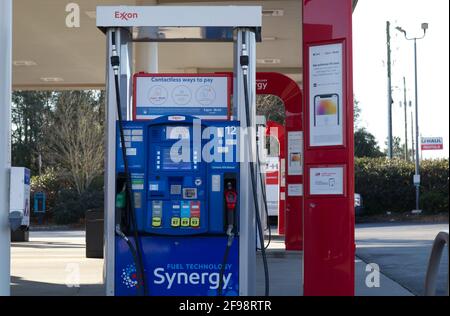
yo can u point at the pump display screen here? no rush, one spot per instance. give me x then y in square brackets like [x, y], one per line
[173, 162]
[177, 132]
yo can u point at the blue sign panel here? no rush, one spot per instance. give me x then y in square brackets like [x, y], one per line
[179, 266]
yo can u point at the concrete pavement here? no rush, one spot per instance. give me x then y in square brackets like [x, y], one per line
[402, 252]
[53, 260]
[285, 269]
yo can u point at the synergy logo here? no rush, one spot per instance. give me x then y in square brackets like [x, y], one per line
[125, 16]
[210, 279]
[129, 277]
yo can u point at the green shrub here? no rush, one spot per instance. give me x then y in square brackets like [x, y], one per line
[386, 185]
[50, 182]
[70, 206]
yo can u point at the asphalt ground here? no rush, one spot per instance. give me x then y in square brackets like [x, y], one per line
[53, 263]
[402, 251]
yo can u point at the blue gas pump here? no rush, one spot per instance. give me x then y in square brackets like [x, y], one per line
[184, 175]
[181, 208]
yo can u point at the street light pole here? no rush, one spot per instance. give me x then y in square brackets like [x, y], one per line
[406, 119]
[412, 135]
[417, 165]
[417, 162]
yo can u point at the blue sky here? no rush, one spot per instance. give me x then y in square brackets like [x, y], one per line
[370, 73]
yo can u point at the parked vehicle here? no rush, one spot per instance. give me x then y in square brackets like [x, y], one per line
[359, 208]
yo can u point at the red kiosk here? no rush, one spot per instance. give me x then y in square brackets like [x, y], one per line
[328, 219]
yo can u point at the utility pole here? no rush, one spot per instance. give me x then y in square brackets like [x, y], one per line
[412, 134]
[421, 151]
[406, 120]
[416, 178]
[389, 89]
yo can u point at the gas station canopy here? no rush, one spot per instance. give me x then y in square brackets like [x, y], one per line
[49, 55]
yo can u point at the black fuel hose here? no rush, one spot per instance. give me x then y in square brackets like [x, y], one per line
[137, 250]
[266, 209]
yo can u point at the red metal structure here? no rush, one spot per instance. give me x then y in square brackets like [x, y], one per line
[289, 92]
[329, 248]
[274, 129]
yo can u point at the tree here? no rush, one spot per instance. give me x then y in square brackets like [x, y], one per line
[366, 144]
[398, 149]
[271, 107]
[356, 114]
[29, 115]
[75, 137]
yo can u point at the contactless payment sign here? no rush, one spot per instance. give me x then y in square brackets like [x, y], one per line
[204, 96]
[325, 90]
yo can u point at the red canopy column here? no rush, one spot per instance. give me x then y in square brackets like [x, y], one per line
[328, 218]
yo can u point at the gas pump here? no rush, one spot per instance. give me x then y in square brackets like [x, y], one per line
[185, 199]
[184, 182]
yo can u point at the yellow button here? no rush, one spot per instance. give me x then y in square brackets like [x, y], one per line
[185, 222]
[195, 221]
[156, 221]
[175, 221]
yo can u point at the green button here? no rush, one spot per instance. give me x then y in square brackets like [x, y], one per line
[175, 221]
[195, 221]
[185, 222]
[156, 221]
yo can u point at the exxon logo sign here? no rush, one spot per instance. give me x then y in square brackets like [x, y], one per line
[125, 16]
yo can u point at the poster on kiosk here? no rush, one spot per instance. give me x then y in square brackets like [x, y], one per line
[205, 96]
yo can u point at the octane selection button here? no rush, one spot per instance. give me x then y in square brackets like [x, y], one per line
[195, 222]
[156, 221]
[185, 222]
[175, 221]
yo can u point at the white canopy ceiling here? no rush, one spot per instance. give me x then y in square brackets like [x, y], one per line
[49, 55]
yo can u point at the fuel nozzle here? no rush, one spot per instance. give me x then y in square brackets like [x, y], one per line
[230, 199]
[121, 198]
[121, 206]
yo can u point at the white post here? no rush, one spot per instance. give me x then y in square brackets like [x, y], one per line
[147, 57]
[146, 52]
[5, 144]
[247, 224]
[124, 50]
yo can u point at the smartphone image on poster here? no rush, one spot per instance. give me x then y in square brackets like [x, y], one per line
[326, 110]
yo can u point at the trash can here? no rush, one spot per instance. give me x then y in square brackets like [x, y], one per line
[94, 233]
[20, 235]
